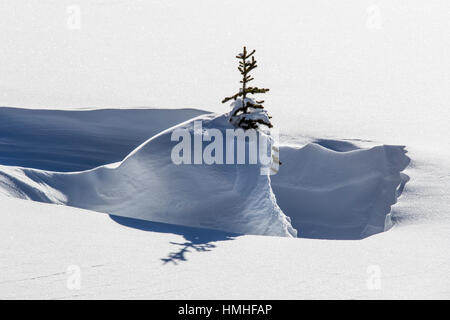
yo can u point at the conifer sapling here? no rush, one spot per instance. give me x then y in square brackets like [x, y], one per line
[247, 113]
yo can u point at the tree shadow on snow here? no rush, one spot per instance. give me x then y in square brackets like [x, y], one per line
[197, 239]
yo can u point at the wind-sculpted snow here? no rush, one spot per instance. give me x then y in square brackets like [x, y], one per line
[147, 185]
[340, 195]
[72, 140]
[322, 193]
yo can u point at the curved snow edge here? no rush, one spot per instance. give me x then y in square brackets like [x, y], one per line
[147, 185]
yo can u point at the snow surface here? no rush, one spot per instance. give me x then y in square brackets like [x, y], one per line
[340, 195]
[128, 259]
[334, 81]
[327, 194]
[149, 186]
[61, 140]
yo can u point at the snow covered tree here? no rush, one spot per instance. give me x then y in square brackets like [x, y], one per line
[247, 113]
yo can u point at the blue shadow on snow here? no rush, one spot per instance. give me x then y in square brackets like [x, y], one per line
[197, 239]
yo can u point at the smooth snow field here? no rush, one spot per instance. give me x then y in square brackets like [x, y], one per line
[92, 207]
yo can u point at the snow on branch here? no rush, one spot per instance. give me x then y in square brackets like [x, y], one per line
[246, 112]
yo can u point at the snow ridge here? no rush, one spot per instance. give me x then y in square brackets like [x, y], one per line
[317, 193]
[147, 185]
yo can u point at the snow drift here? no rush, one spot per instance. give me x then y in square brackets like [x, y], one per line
[77, 140]
[147, 185]
[318, 192]
[340, 195]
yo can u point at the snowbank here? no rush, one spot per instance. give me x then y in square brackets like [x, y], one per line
[322, 193]
[72, 140]
[147, 185]
[340, 195]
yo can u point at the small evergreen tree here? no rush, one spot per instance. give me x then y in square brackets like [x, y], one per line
[247, 113]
